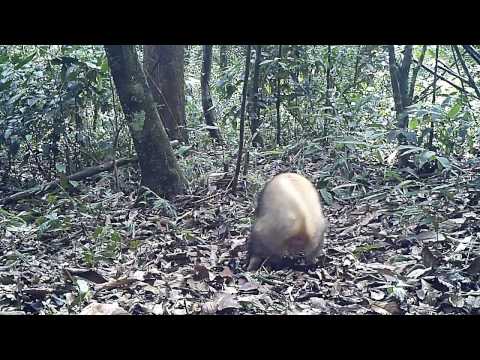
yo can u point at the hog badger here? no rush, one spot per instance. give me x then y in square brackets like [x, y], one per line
[289, 220]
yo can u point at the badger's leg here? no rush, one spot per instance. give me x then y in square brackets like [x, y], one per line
[314, 250]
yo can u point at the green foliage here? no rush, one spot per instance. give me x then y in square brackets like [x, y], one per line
[49, 222]
[105, 245]
[9, 220]
[58, 111]
[50, 96]
[453, 122]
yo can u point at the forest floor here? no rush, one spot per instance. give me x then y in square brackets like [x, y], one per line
[394, 247]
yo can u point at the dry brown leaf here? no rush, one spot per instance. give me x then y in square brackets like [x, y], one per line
[474, 267]
[200, 272]
[226, 301]
[429, 259]
[103, 309]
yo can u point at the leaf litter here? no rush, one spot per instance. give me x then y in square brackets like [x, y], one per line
[391, 249]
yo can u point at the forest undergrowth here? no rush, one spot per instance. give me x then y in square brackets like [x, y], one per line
[395, 246]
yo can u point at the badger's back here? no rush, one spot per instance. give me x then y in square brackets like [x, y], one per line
[289, 219]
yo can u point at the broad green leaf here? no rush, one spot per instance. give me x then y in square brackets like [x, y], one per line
[454, 110]
[413, 123]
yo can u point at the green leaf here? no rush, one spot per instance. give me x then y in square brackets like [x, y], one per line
[444, 162]
[104, 65]
[98, 231]
[183, 150]
[327, 197]
[454, 110]
[425, 157]
[64, 181]
[266, 62]
[25, 61]
[413, 123]
[51, 198]
[60, 168]
[411, 149]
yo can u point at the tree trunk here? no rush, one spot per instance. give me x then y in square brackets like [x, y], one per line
[465, 70]
[434, 100]
[158, 165]
[207, 102]
[164, 67]
[399, 75]
[278, 102]
[357, 66]
[411, 90]
[252, 107]
[473, 53]
[242, 120]
[328, 91]
[223, 58]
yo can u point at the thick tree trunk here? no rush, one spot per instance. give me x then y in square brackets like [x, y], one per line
[207, 102]
[158, 165]
[399, 74]
[164, 67]
[253, 111]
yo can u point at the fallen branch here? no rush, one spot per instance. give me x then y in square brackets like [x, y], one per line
[55, 185]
